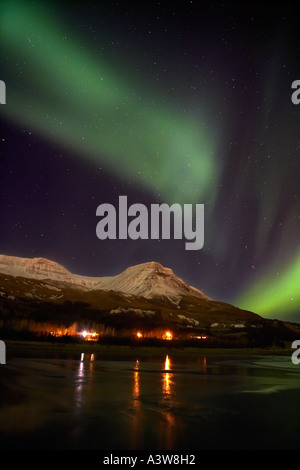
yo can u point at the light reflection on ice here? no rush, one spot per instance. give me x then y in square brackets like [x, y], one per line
[83, 379]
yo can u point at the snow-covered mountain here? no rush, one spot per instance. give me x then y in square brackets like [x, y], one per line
[150, 280]
[41, 269]
[146, 280]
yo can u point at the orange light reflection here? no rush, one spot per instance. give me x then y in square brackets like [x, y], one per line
[167, 378]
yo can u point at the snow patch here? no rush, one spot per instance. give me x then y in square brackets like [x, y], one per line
[137, 311]
[191, 321]
[48, 286]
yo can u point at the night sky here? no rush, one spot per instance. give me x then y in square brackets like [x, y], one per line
[180, 102]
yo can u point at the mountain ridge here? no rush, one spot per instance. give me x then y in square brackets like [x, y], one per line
[147, 279]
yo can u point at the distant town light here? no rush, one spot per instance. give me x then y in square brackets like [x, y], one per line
[89, 335]
[139, 334]
[168, 335]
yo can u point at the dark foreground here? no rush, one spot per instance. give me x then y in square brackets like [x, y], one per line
[124, 398]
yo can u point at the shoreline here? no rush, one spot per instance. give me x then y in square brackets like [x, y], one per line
[18, 348]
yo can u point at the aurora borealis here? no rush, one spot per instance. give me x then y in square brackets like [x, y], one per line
[177, 103]
[101, 116]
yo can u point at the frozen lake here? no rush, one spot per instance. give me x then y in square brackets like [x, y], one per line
[162, 402]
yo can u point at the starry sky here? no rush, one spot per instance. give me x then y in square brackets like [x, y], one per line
[183, 102]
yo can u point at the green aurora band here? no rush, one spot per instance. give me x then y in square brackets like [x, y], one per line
[274, 294]
[75, 97]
